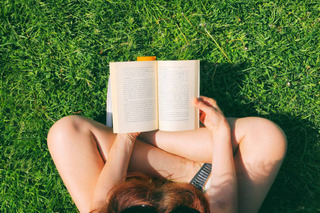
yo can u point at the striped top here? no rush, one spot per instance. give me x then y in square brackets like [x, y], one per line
[201, 179]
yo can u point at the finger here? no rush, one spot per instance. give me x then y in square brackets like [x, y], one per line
[136, 134]
[133, 135]
[209, 101]
[202, 116]
[200, 104]
[212, 102]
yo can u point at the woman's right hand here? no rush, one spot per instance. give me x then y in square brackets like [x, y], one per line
[211, 115]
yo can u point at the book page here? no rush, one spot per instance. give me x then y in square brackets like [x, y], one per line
[134, 97]
[178, 84]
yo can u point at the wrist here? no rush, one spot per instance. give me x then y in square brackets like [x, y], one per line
[223, 133]
[222, 130]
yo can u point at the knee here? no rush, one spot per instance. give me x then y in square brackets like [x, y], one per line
[269, 137]
[63, 129]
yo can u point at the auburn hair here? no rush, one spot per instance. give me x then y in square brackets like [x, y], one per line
[163, 194]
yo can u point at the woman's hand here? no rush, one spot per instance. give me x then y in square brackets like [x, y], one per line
[130, 136]
[211, 115]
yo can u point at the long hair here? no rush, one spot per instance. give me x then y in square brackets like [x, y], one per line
[163, 194]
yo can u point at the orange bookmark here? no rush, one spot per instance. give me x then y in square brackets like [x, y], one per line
[146, 58]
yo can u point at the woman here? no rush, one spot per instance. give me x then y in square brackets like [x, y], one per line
[246, 154]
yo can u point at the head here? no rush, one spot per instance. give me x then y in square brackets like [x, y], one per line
[157, 194]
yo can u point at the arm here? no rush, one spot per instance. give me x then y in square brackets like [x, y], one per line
[115, 168]
[223, 185]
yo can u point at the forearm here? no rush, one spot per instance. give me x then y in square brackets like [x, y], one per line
[223, 186]
[115, 168]
[193, 144]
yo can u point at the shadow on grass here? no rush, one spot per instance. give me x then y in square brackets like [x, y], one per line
[297, 187]
[223, 83]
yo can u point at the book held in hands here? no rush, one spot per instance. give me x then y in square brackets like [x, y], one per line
[150, 95]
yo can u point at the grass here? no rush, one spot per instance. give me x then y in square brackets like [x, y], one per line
[258, 58]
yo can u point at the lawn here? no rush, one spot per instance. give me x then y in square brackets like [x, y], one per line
[258, 58]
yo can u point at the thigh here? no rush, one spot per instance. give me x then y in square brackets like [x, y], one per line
[262, 147]
[79, 148]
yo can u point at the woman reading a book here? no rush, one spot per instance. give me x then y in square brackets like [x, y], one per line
[94, 163]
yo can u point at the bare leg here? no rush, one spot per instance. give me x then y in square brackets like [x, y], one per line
[261, 152]
[80, 146]
[259, 147]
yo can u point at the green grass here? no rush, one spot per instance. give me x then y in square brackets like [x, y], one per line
[258, 58]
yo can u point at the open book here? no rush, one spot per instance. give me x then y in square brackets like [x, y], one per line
[150, 95]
